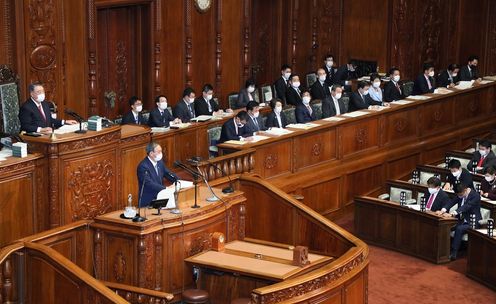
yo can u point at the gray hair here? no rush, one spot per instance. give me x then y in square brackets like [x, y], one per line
[150, 147]
[34, 85]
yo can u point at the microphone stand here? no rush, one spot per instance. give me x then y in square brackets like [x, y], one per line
[138, 217]
[78, 118]
[226, 190]
[195, 175]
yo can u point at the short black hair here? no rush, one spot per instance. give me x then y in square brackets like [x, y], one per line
[336, 86]
[459, 188]
[453, 67]
[454, 164]
[304, 90]
[207, 87]
[292, 76]
[133, 100]
[34, 85]
[374, 76]
[392, 70]
[251, 105]
[490, 170]
[157, 99]
[428, 66]
[150, 147]
[188, 91]
[434, 181]
[250, 82]
[285, 67]
[363, 84]
[243, 115]
[328, 56]
[274, 101]
[473, 57]
[486, 144]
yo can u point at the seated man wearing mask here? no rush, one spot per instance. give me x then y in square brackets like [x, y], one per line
[204, 105]
[361, 99]
[234, 128]
[293, 93]
[488, 185]
[134, 116]
[333, 105]
[424, 83]
[392, 89]
[184, 109]
[304, 112]
[254, 123]
[320, 88]
[160, 116]
[483, 158]
[458, 175]
[435, 197]
[276, 118]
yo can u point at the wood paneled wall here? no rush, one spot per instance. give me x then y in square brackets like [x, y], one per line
[55, 41]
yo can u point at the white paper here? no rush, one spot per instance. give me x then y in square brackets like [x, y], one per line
[268, 95]
[356, 114]
[402, 102]
[304, 126]
[256, 138]
[168, 193]
[278, 131]
[463, 85]
[68, 129]
[486, 81]
[418, 97]
[202, 118]
[442, 91]
[334, 119]
[159, 130]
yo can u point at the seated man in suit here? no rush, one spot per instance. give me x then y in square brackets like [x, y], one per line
[320, 88]
[333, 105]
[488, 185]
[281, 84]
[424, 83]
[484, 158]
[246, 94]
[435, 197]
[134, 116]
[448, 78]
[304, 112]
[276, 118]
[234, 128]
[344, 74]
[467, 201]
[35, 115]
[392, 89]
[160, 116]
[329, 69]
[205, 105]
[360, 99]
[184, 109]
[293, 93]
[254, 123]
[151, 172]
[470, 72]
[457, 175]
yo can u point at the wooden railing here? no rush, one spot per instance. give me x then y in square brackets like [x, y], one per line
[138, 295]
[235, 163]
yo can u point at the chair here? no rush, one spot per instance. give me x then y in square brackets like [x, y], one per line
[317, 109]
[290, 115]
[267, 95]
[346, 101]
[463, 161]
[233, 100]
[195, 296]
[170, 110]
[394, 194]
[213, 139]
[9, 97]
[311, 78]
[257, 96]
[407, 88]
[424, 176]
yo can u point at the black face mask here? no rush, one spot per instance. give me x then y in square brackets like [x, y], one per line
[472, 66]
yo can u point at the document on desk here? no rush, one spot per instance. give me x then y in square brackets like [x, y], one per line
[256, 138]
[491, 78]
[442, 91]
[180, 125]
[201, 118]
[278, 131]
[334, 119]
[486, 81]
[414, 207]
[463, 85]
[159, 129]
[356, 114]
[68, 129]
[235, 142]
[302, 126]
[402, 102]
[488, 200]
[418, 97]
[4, 153]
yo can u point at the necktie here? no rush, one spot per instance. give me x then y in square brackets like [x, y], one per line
[191, 111]
[256, 123]
[429, 83]
[336, 105]
[209, 106]
[156, 170]
[398, 87]
[481, 160]
[309, 110]
[40, 108]
[429, 203]
[137, 120]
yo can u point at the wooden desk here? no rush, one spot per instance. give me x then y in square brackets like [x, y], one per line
[387, 224]
[240, 257]
[481, 261]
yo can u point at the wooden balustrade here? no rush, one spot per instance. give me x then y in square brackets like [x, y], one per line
[235, 163]
[137, 295]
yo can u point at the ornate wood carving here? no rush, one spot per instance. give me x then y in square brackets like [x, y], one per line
[119, 267]
[53, 171]
[246, 38]
[430, 37]
[294, 31]
[6, 282]
[199, 243]
[188, 42]
[88, 142]
[242, 221]
[218, 49]
[15, 167]
[141, 137]
[437, 115]
[402, 35]
[97, 243]
[158, 260]
[317, 149]
[8, 21]
[145, 259]
[329, 25]
[400, 125]
[361, 137]
[270, 161]
[92, 88]
[121, 70]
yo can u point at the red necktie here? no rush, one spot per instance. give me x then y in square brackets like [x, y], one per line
[40, 108]
[481, 160]
[398, 87]
[429, 203]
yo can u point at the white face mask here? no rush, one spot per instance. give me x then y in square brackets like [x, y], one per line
[433, 190]
[431, 74]
[454, 74]
[396, 78]
[365, 92]
[286, 75]
[329, 63]
[489, 178]
[322, 78]
[278, 109]
[256, 114]
[163, 105]
[306, 100]
[457, 173]
[483, 152]
[40, 97]
[296, 84]
[158, 157]
[376, 84]
[209, 97]
[138, 108]
[338, 95]
[251, 89]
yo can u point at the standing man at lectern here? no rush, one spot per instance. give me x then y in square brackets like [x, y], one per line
[151, 172]
[35, 113]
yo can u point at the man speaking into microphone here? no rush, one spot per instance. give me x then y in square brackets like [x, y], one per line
[151, 172]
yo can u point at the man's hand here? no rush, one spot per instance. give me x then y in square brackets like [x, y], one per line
[229, 110]
[46, 130]
[70, 122]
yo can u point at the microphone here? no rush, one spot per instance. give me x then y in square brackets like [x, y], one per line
[138, 217]
[196, 160]
[78, 118]
[195, 175]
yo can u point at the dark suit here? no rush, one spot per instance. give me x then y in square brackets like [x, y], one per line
[184, 111]
[158, 119]
[444, 79]
[201, 106]
[244, 99]
[489, 160]
[252, 127]
[303, 115]
[465, 178]
[359, 102]
[230, 132]
[293, 97]
[272, 121]
[320, 90]
[153, 180]
[128, 119]
[281, 86]
[420, 85]
[31, 118]
[330, 74]
[468, 75]
[442, 199]
[343, 74]
[471, 205]
[392, 93]
[486, 187]
[329, 109]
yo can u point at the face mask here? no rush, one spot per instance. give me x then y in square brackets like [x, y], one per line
[457, 173]
[306, 99]
[322, 78]
[158, 157]
[163, 105]
[329, 63]
[54, 115]
[431, 74]
[240, 125]
[377, 84]
[454, 74]
[256, 114]
[483, 152]
[338, 95]
[286, 75]
[251, 89]
[138, 108]
[433, 190]
[461, 196]
[278, 110]
[472, 66]
[209, 97]
[489, 178]
[296, 84]
[365, 92]
[40, 97]
[396, 78]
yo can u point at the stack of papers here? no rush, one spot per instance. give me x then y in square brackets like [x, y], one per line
[356, 114]
[235, 142]
[334, 119]
[158, 129]
[486, 81]
[278, 131]
[256, 138]
[442, 91]
[418, 97]
[463, 85]
[180, 125]
[376, 108]
[5, 153]
[68, 129]
[402, 102]
[201, 118]
[304, 126]
[490, 78]
[20, 149]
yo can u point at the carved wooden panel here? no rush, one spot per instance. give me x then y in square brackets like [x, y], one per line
[402, 35]
[401, 126]
[120, 252]
[168, 149]
[315, 148]
[436, 117]
[323, 197]
[471, 107]
[358, 136]
[274, 159]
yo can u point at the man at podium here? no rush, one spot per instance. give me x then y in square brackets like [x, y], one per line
[151, 172]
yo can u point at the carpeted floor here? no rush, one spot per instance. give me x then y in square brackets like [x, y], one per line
[402, 279]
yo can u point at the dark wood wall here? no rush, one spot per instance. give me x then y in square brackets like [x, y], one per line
[82, 49]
